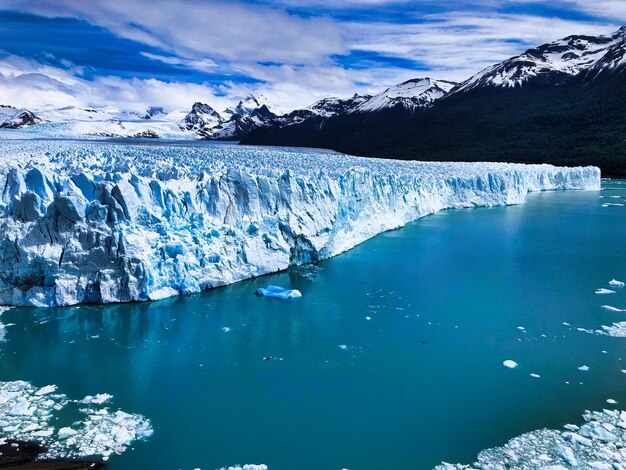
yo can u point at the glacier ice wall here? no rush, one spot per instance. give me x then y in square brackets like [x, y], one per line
[106, 222]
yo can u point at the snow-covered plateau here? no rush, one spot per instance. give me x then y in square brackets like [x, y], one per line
[110, 222]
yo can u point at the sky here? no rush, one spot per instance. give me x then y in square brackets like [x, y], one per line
[131, 54]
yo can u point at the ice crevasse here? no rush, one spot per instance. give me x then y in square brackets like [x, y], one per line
[99, 222]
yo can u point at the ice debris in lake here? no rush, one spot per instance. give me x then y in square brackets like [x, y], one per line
[602, 290]
[599, 443]
[27, 413]
[617, 330]
[276, 292]
[616, 283]
[111, 222]
[612, 309]
[510, 364]
[249, 466]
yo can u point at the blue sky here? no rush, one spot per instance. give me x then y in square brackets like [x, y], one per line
[135, 53]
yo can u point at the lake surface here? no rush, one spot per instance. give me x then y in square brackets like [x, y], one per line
[392, 358]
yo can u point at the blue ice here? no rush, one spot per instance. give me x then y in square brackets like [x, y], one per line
[277, 292]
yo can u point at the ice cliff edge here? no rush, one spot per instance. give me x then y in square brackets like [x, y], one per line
[110, 223]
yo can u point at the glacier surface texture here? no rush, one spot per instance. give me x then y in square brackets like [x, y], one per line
[106, 222]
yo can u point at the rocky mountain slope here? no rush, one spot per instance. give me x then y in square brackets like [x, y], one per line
[561, 103]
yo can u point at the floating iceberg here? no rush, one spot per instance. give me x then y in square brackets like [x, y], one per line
[277, 292]
[616, 283]
[103, 222]
[603, 291]
[613, 309]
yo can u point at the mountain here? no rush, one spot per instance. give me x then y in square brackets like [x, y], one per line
[201, 117]
[153, 111]
[314, 126]
[554, 63]
[396, 104]
[249, 105]
[560, 103]
[412, 94]
[233, 124]
[13, 118]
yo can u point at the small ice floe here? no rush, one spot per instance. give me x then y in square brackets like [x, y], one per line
[610, 401]
[536, 376]
[98, 399]
[565, 323]
[343, 346]
[249, 466]
[612, 204]
[521, 328]
[613, 309]
[510, 364]
[583, 368]
[616, 283]
[225, 329]
[276, 292]
[602, 290]
[368, 318]
[623, 371]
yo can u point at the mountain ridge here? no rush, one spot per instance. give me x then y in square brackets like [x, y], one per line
[558, 103]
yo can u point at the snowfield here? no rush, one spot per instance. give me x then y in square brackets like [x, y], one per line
[117, 222]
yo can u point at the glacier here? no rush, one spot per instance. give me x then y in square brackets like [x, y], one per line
[99, 222]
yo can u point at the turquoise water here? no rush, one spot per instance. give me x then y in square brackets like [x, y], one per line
[421, 381]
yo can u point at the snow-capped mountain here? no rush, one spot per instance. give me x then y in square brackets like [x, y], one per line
[554, 63]
[249, 104]
[321, 110]
[407, 96]
[201, 117]
[328, 107]
[13, 118]
[233, 124]
[560, 103]
[412, 94]
[153, 111]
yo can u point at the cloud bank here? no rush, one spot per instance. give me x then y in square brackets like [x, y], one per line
[293, 52]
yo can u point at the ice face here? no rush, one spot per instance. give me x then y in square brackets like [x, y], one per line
[598, 443]
[104, 222]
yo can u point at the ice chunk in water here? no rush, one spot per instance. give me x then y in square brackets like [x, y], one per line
[612, 309]
[616, 283]
[510, 364]
[277, 292]
[604, 291]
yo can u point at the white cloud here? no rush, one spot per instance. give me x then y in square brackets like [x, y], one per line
[28, 84]
[231, 31]
[197, 64]
[459, 44]
[237, 39]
